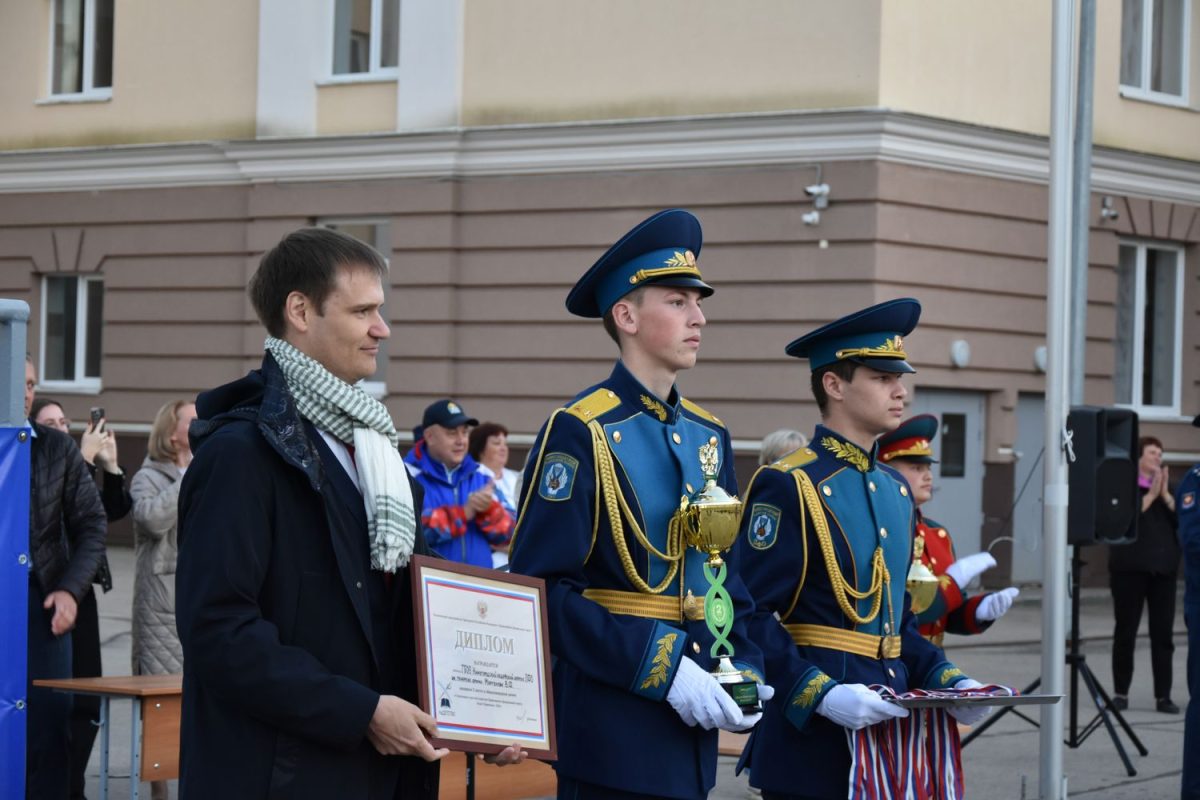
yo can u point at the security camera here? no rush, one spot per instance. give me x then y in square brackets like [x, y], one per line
[819, 192]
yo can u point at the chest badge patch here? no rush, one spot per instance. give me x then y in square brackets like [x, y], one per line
[558, 476]
[1188, 500]
[764, 526]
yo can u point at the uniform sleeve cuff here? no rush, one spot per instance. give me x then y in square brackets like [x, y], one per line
[664, 650]
[806, 694]
[943, 676]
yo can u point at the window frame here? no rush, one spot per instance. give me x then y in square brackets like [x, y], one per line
[375, 71]
[81, 383]
[383, 226]
[1181, 100]
[87, 91]
[1145, 411]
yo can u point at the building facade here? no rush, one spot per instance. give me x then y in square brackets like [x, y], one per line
[152, 152]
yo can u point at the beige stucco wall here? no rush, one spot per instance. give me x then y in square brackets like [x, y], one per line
[181, 71]
[356, 108]
[990, 65]
[552, 60]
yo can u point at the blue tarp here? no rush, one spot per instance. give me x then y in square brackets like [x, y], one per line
[14, 595]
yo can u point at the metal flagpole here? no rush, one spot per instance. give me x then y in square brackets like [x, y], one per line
[1054, 510]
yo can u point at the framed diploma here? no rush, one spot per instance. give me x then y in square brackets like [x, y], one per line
[483, 652]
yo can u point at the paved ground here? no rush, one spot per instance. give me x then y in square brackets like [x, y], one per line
[1001, 764]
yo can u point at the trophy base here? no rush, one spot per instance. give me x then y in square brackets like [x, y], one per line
[742, 689]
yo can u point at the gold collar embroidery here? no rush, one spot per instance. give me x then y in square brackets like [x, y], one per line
[658, 408]
[847, 452]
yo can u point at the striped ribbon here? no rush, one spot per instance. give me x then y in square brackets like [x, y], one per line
[918, 757]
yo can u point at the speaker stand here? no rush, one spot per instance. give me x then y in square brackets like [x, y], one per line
[1077, 661]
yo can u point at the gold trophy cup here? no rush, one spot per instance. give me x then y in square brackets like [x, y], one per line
[710, 521]
[922, 584]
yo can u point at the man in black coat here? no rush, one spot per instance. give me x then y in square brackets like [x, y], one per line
[292, 592]
[66, 543]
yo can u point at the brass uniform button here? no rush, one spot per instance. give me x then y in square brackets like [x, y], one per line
[713, 441]
[891, 672]
[941, 533]
[883, 533]
[827, 491]
[610, 394]
[617, 437]
[887, 628]
[689, 488]
[871, 485]
[676, 438]
[933, 561]
[695, 647]
[904, 491]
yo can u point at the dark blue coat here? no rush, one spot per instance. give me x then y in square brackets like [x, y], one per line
[1187, 507]
[613, 670]
[867, 506]
[288, 636]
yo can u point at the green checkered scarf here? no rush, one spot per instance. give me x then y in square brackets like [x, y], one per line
[354, 417]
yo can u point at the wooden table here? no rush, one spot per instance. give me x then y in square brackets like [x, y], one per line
[154, 742]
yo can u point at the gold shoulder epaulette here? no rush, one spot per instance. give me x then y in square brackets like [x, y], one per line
[700, 412]
[797, 458]
[594, 405]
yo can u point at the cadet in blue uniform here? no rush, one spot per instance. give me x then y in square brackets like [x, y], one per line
[637, 709]
[1187, 505]
[825, 549]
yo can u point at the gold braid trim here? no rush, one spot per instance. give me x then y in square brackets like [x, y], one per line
[616, 508]
[842, 591]
[537, 473]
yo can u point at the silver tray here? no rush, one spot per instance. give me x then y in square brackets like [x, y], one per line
[956, 702]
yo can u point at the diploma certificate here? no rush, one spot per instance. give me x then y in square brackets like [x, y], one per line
[484, 655]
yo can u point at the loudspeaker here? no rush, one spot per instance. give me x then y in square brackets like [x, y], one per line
[1102, 479]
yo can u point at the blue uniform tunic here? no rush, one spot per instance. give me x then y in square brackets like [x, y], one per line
[814, 644]
[616, 646]
[1187, 507]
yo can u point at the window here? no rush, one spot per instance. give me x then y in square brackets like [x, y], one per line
[366, 37]
[1154, 49]
[72, 324]
[375, 233]
[82, 48]
[1149, 334]
[953, 460]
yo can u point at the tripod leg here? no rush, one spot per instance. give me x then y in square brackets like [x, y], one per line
[1096, 692]
[994, 718]
[1121, 719]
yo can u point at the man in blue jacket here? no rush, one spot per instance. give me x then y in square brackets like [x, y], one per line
[637, 707]
[463, 519]
[825, 548]
[1187, 503]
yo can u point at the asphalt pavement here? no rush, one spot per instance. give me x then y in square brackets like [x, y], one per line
[1003, 763]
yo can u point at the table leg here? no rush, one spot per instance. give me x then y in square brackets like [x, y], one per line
[104, 747]
[135, 749]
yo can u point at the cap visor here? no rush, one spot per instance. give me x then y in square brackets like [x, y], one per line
[683, 282]
[884, 364]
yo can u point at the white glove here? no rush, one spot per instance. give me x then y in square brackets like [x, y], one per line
[996, 605]
[966, 569]
[969, 715]
[699, 699]
[765, 693]
[854, 706]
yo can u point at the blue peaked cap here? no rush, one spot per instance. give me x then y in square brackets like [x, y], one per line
[660, 251]
[873, 337]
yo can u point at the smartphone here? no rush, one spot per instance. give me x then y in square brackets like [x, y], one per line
[97, 415]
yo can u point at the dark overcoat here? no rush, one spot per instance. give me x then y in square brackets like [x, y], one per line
[289, 638]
